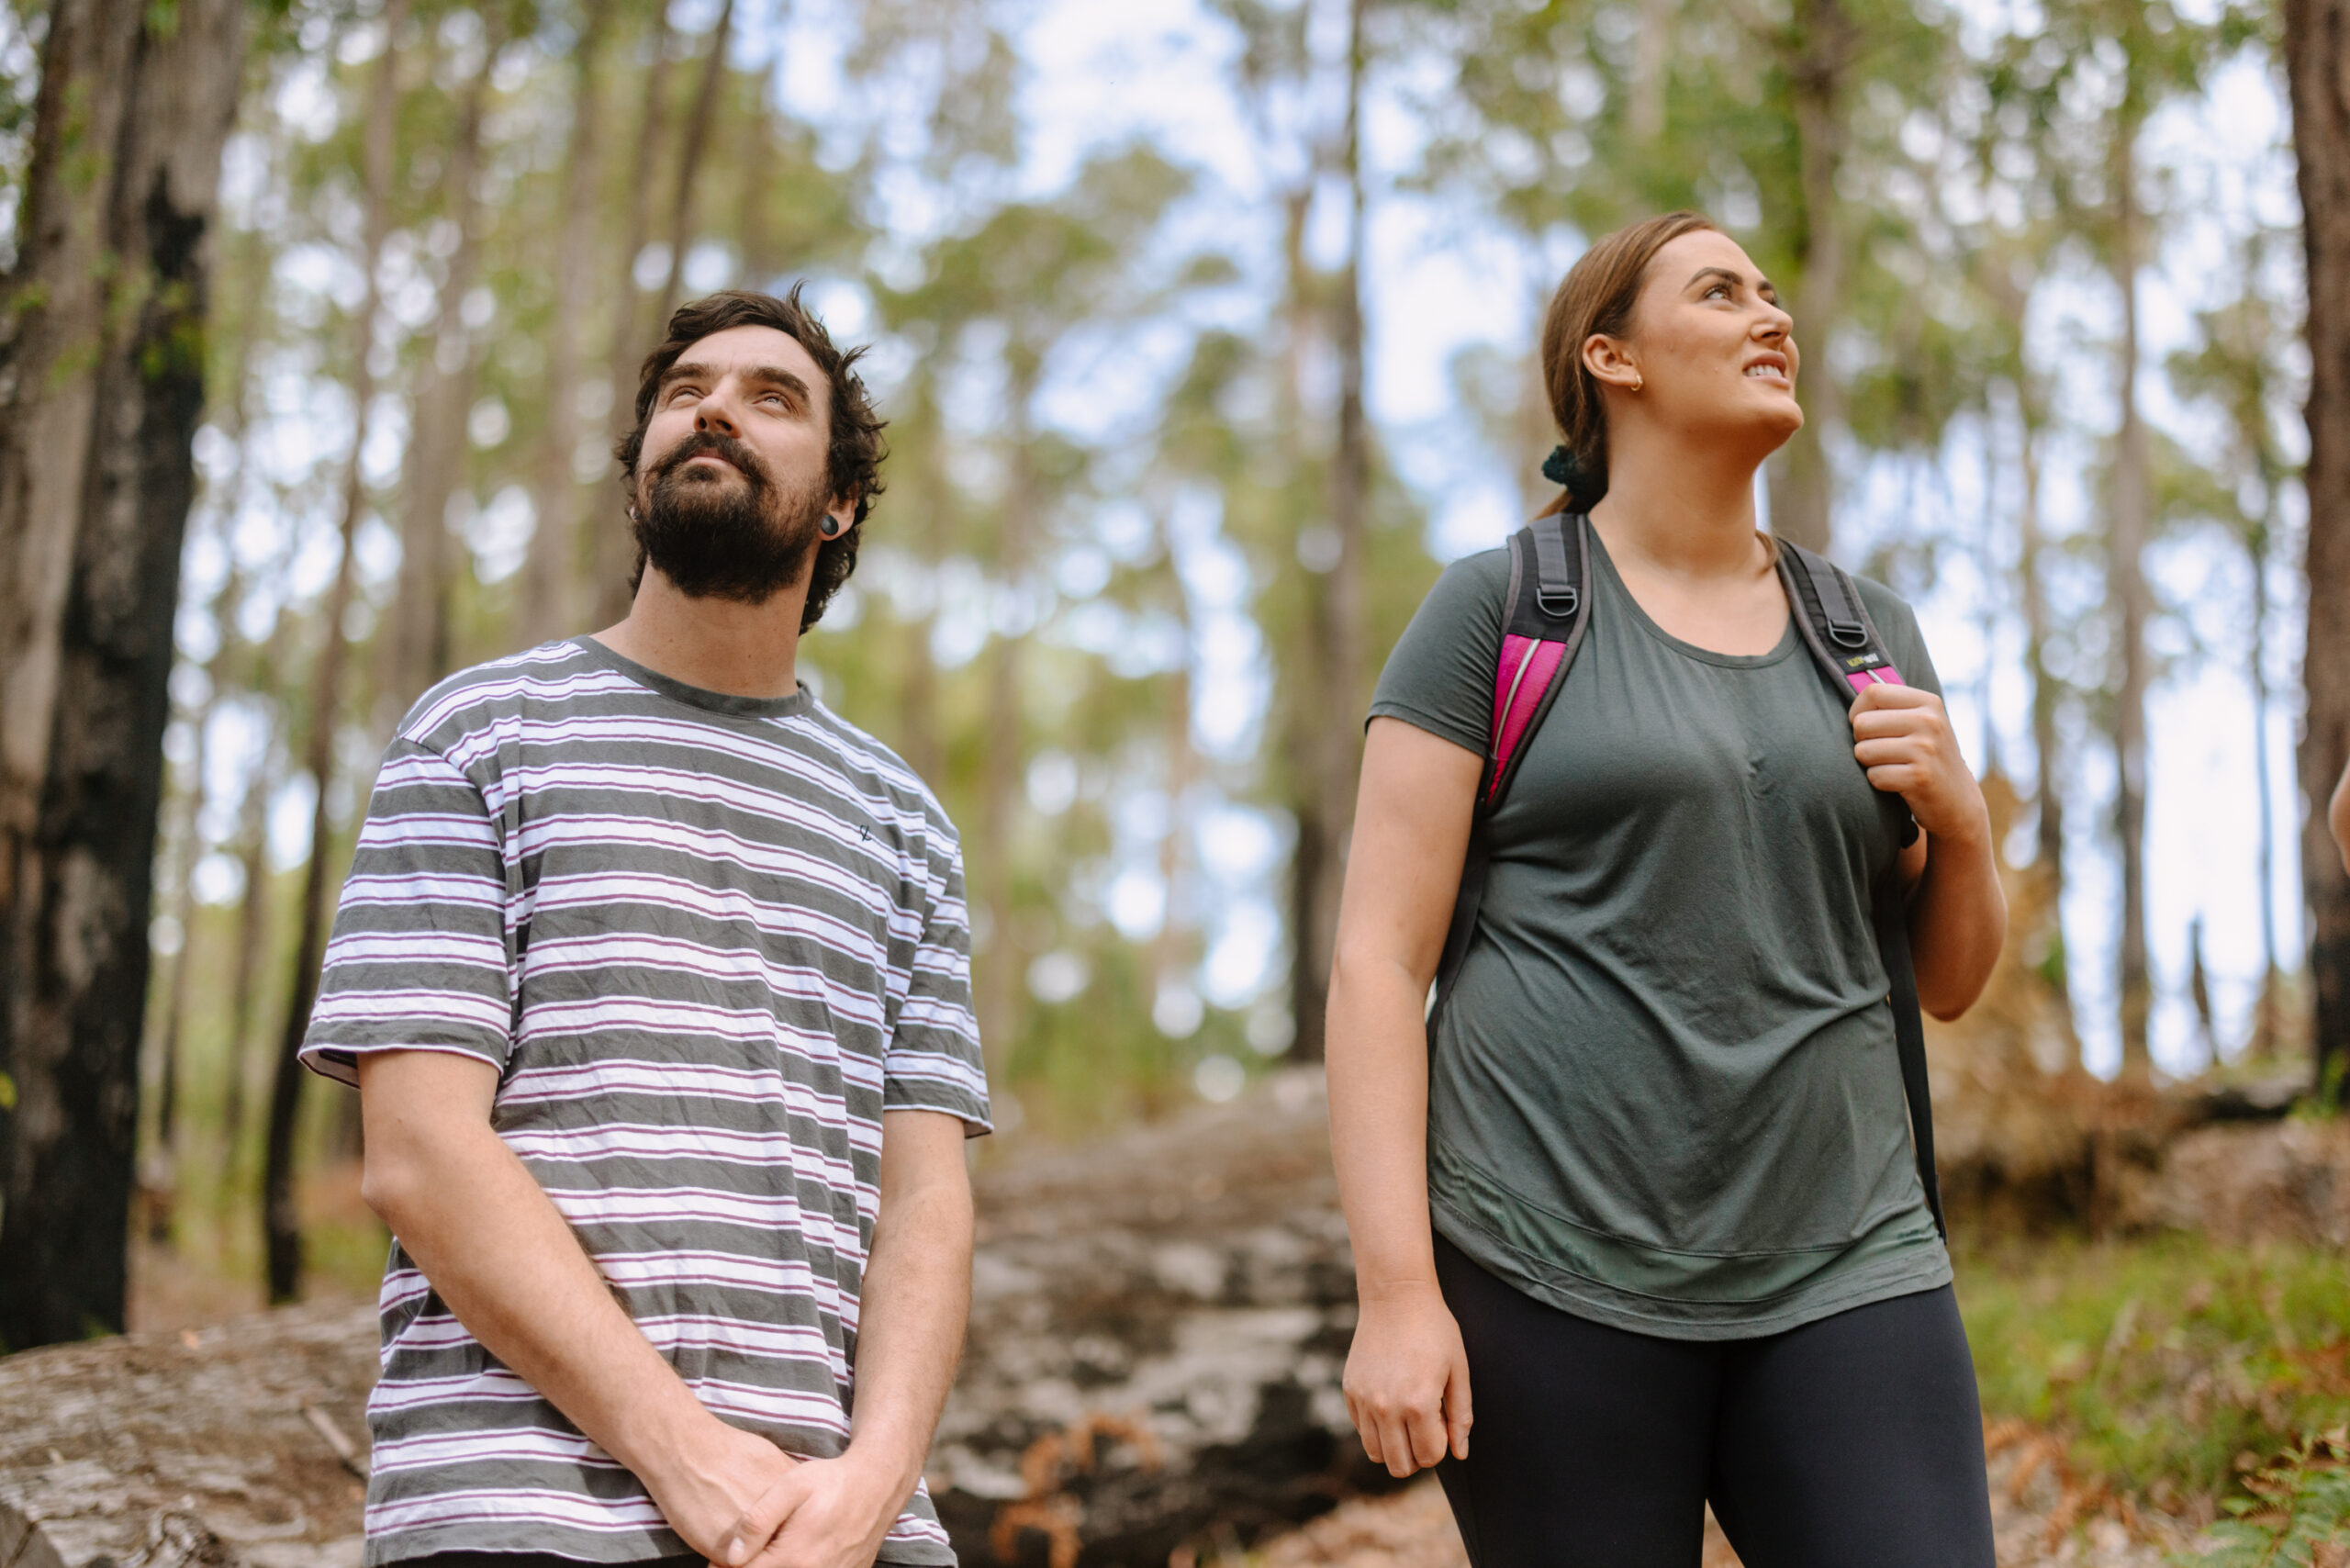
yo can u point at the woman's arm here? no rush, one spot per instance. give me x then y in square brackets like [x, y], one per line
[1958, 913]
[1407, 1377]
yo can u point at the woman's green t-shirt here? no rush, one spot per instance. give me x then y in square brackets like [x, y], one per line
[1663, 1093]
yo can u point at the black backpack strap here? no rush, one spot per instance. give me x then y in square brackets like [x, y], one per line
[1542, 625]
[1844, 643]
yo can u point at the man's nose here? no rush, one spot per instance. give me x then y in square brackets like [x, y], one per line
[716, 413]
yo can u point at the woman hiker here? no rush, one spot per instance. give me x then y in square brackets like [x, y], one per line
[1638, 1203]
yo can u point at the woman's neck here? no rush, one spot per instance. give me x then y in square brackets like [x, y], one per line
[1689, 512]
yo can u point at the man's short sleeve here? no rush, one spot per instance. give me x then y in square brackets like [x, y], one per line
[418, 959]
[934, 1062]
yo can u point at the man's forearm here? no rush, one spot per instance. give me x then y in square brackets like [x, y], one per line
[501, 1255]
[503, 1258]
[916, 1299]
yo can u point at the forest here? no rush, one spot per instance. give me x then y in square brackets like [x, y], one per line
[1206, 332]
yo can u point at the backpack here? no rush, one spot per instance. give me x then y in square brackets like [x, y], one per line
[1549, 610]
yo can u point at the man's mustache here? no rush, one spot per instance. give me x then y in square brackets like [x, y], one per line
[714, 443]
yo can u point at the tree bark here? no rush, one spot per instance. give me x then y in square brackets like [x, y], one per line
[1336, 614]
[2132, 503]
[2317, 45]
[549, 573]
[53, 302]
[612, 547]
[417, 646]
[280, 1224]
[1816, 57]
[82, 880]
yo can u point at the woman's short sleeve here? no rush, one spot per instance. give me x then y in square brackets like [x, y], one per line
[1440, 677]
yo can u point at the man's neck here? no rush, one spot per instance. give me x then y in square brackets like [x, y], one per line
[716, 645]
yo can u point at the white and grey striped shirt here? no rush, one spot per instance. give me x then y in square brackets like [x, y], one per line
[706, 941]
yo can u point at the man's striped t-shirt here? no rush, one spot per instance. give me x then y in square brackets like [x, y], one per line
[707, 941]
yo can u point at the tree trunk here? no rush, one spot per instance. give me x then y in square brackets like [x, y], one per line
[186, 842]
[681, 209]
[2048, 795]
[2132, 508]
[611, 546]
[2317, 42]
[1308, 985]
[83, 880]
[54, 301]
[1335, 615]
[2263, 1007]
[1816, 57]
[281, 1225]
[417, 647]
[1173, 952]
[1652, 69]
[548, 575]
[930, 506]
[253, 946]
[998, 968]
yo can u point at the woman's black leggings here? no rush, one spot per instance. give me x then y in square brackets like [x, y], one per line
[1856, 1442]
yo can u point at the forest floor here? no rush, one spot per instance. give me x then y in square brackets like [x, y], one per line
[2134, 1386]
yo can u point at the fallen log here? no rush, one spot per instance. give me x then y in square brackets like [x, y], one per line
[242, 1443]
[1158, 1326]
[1158, 1329]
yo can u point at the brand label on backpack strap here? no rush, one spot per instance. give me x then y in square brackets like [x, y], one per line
[1864, 670]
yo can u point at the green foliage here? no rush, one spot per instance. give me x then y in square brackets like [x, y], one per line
[2295, 1510]
[2168, 1365]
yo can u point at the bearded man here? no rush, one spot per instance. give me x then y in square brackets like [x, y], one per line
[653, 977]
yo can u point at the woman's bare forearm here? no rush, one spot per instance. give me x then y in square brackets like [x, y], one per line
[1378, 1066]
[1402, 873]
[1958, 920]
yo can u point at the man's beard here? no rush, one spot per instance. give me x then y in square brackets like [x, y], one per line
[715, 537]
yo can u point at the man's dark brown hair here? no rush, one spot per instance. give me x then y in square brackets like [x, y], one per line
[852, 452]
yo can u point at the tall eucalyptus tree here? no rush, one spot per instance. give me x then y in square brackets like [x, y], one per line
[2317, 42]
[102, 381]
